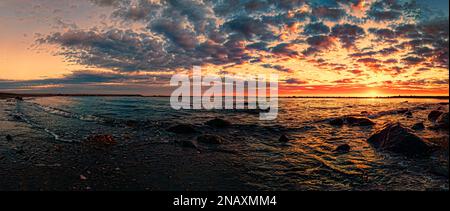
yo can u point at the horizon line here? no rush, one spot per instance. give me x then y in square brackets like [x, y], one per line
[2, 94]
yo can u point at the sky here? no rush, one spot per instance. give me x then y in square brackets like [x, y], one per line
[317, 47]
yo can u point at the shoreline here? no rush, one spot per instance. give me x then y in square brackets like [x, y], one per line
[177, 154]
[13, 95]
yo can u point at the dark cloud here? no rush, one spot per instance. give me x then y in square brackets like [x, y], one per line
[109, 2]
[284, 49]
[368, 60]
[385, 10]
[383, 34]
[347, 34]
[412, 60]
[277, 67]
[318, 44]
[83, 78]
[326, 13]
[176, 32]
[295, 81]
[250, 28]
[316, 29]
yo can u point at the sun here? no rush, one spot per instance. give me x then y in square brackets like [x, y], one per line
[373, 93]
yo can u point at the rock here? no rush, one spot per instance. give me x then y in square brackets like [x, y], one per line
[9, 138]
[442, 121]
[101, 140]
[354, 121]
[434, 115]
[409, 114]
[440, 108]
[337, 122]
[182, 129]
[421, 108]
[402, 111]
[344, 148]
[19, 150]
[218, 123]
[17, 117]
[418, 126]
[189, 144]
[132, 123]
[440, 170]
[18, 98]
[443, 103]
[283, 139]
[210, 139]
[364, 113]
[396, 138]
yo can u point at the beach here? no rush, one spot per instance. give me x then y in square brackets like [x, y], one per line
[94, 143]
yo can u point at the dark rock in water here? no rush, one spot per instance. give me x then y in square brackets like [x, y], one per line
[189, 144]
[218, 123]
[443, 103]
[131, 123]
[100, 140]
[354, 121]
[418, 126]
[344, 148]
[19, 151]
[409, 114]
[421, 108]
[402, 111]
[440, 170]
[17, 118]
[364, 113]
[182, 129]
[442, 121]
[18, 98]
[396, 138]
[9, 138]
[210, 139]
[434, 115]
[337, 122]
[283, 139]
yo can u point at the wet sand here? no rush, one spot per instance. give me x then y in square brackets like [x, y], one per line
[42, 164]
[33, 160]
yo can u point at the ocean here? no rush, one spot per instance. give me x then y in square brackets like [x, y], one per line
[251, 147]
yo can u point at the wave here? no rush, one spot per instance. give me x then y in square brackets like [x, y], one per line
[19, 116]
[68, 114]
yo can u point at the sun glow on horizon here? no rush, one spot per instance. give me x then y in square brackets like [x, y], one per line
[373, 93]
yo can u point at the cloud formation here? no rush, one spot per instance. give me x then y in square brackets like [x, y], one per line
[352, 36]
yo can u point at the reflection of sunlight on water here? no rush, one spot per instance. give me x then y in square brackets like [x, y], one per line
[309, 160]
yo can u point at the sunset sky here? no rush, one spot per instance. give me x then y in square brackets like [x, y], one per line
[318, 47]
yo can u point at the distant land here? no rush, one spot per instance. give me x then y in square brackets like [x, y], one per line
[13, 95]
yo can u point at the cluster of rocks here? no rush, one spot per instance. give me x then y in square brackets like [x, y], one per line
[395, 137]
[183, 129]
[392, 137]
[439, 119]
[351, 121]
[203, 138]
